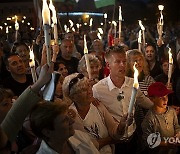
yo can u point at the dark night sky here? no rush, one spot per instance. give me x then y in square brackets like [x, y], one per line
[132, 9]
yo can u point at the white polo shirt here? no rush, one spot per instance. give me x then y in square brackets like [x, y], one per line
[107, 93]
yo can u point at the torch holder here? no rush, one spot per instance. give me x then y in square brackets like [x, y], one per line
[47, 36]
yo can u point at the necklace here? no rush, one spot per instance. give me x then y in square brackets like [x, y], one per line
[120, 96]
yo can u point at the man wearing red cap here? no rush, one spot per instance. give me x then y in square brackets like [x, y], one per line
[161, 119]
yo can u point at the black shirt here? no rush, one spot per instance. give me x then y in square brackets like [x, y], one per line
[71, 64]
[15, 86]
[156, 70]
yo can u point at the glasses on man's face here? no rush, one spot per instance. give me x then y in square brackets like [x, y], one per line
[74, 81]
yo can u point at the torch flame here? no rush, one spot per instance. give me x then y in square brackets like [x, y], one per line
[136, 73]
[139, 37]
[77, 25]
[46, 13]
[161, 19]
[114, 23]
[16, 23]
[170, 56]
[71, 23]
[73, 29]
[90, 22]
[100, 30]
[141, 25]
[85, 45]
[17, 26]
[161, 7]
[15, 17]
[32, 62]
[99, 36]
[7, 30]
[105, 15]
[65, 28]
[54, 18]
[120, 14]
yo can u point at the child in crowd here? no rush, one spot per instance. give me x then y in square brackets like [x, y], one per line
[160, 122]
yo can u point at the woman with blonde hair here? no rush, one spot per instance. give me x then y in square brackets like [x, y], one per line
[144, 79]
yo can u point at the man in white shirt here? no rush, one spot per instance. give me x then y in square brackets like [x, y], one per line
[115, 90]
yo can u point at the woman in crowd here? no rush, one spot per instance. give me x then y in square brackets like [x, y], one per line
[60, 67]
[53, 123]
[95, 66]
[58, 94]
[144, 80]
[95, 119]
[151, 57]
[163, 77]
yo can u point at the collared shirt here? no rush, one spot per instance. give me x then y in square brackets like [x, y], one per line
[107, 93]
[80, 142]
[45, 149]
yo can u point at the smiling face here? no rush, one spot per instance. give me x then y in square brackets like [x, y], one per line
[82, 92]
[63, 70]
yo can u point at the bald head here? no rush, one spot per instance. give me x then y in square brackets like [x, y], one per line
[67, 49]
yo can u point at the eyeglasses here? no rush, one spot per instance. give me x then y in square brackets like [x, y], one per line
[74, 81]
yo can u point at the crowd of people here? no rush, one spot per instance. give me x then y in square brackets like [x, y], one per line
[89, 114]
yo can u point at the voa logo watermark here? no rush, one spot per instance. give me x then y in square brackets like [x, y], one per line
[154, 139]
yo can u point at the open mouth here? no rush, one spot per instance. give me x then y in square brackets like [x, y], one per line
[164, 104]
[122, 71]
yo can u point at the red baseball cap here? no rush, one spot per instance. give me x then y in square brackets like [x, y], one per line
[158, 89]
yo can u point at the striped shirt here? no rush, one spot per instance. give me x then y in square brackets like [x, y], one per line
[139, 111]
[145, 83]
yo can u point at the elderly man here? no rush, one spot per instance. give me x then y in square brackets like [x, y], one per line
[77, 50]
[115, 90]
[66, 56]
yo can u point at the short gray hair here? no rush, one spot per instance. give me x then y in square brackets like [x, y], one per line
[82, 63]
[67, 93]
